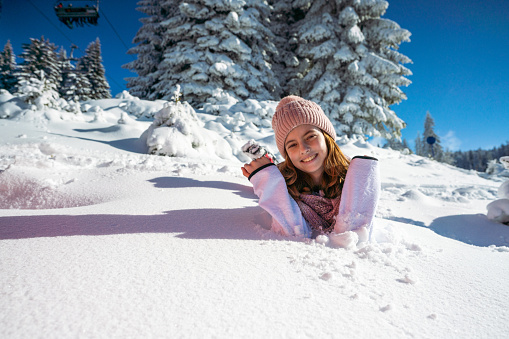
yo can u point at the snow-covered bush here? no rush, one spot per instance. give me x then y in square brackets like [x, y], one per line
[497, 168]
[177, 132]
[10, 105]
[38, 92]
[498, 210]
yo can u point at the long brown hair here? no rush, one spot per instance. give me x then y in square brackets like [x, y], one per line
[335, 167]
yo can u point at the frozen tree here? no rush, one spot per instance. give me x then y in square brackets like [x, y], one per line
[428, 149]
[149, 49]
[349, 64]
[91, 63]
[286, 14]
[40, 62]
[75, 85]
[8, 68]
[83, 87]
[39, 74]
[218, 48]
[67, 89]
[418, 144]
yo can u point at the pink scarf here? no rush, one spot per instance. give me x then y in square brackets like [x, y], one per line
[319, 212]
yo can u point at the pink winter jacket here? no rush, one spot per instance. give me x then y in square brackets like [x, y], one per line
[357, 208]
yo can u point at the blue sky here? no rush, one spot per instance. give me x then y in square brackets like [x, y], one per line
[459, 49]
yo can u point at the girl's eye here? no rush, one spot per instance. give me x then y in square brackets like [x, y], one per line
[290, 146]
[311, 136]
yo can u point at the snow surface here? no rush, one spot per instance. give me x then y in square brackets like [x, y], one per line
[100, 239]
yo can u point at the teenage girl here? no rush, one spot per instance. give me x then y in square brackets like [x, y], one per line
[317, 189]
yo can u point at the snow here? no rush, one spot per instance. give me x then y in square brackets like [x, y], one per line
[100, 239]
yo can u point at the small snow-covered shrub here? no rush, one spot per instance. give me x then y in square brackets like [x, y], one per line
[39, 92]
[498, 210]
[11, 106]
[177, 132]
[72, 107]
[498, 168]
[125, 119]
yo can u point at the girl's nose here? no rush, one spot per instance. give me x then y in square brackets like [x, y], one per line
[304, 148]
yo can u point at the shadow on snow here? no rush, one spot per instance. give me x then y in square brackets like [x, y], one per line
[473, 229]
[182, 182]
[240, 223]
[134, 145]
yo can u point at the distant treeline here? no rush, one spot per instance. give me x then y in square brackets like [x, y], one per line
[478, 159]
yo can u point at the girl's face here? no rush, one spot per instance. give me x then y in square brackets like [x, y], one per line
[306, 148]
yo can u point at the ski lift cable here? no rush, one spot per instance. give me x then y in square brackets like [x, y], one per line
[51, 22]
[72, 42]
[114, 30]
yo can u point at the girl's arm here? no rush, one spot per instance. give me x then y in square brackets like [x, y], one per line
[359, 197]
[270, 186]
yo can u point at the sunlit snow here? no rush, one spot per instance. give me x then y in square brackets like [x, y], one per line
[101, 239]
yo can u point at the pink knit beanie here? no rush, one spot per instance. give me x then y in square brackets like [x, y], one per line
[293, 111]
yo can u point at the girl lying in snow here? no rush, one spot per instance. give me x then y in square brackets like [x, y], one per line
[317, 189]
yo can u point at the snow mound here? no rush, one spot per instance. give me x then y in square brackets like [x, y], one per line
[124, 95]
[143, 108]
[503, 190]
[415, 195]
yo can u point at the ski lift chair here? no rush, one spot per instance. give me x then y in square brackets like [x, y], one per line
[77, 12]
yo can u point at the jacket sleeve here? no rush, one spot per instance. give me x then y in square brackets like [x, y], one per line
[359, 197]
[270, 187]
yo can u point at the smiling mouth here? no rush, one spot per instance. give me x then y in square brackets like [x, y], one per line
[311, 158]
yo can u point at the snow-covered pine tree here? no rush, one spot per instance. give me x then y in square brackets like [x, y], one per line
[396, 144]
[418, 144]
[91, 62]
[83, 87]
[429, 150]
[286, 14]
[8, 68]
[149, 49]
[40, 55]
[75, 85]
[353, 69]
[218, 47]
[67, 87]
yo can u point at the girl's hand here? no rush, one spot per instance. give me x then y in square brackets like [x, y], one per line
[254, 165]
